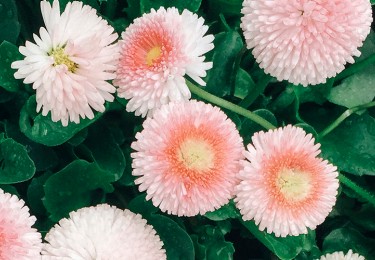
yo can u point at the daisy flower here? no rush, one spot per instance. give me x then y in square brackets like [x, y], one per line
[187, 158]
[284, 186]
[70, 62]
[18, 240]
[340, 256]
[103, 232]
[305, 41]
[157, 50]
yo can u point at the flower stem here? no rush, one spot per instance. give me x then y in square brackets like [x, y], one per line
[357, 189]
[341, 118]
[230, 106]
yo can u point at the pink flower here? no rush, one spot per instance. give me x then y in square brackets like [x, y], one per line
[157, 50]
[284, 186]
[71, 62]
[305, 41]
[187, 157]
[340, 256]
[103, 232]
[18, 240]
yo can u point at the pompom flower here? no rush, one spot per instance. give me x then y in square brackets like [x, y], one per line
[18, 240]
[157, 50]
[284, 186]
[103, 232]
[340, 256]
[70, 63]
[188, 158]
[305, 41]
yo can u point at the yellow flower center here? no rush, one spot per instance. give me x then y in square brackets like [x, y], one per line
[293, 184]
[61, 57]
[153, 55]
[196, 154]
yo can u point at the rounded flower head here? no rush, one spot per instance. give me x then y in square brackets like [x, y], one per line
[103, 232]
[17, 239]
[305, 41]
[157, 50]
[70, 63]
[284, 187]
[340, 256]
[188, 158]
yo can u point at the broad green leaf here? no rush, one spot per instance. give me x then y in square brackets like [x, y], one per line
[343, 239]
[225, 212]
[351, 146]
[41, 129]
[35, 194]
[74, 187]
[283, 247]
[43, 157]
[15, 163]
[227, 46]
[211, 244]
[191, 5]
[10, 27]
[8, 54]
[244, 84]
[106, 152]
[142, 206]
[177, 243]
[355, 90]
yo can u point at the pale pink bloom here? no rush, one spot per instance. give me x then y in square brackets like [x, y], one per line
[305, 41]
[340, 256]
[103, 232]
[284, 186]
[70, 63]
[157, 50]
[187, 158]
[18, 240]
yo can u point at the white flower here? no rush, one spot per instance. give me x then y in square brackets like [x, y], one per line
[340, 256]
[70, 62]
[103, 232]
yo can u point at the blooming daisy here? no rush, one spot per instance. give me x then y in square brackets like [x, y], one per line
[18, 240]
[187, 158]
[157, 50]
[70, 62]
[284, 186]
[103, 232]
[305, 41]
[340, 256]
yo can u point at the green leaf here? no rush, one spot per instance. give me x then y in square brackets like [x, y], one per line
[248, 127]
[10, 27]
[15, 163]
[8, 54]
[106, 152]
[343, 239]
[227, 46]
[41, 129]
[226, 7]
[283, 247]
[244, 84]
[74, 187]
[355, 90]
[177, 243]
[225, 212]
[142, 206]
[191, 5]
[351, 146]
[210, 244]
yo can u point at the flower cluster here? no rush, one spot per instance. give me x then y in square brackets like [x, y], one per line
[189, 158]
